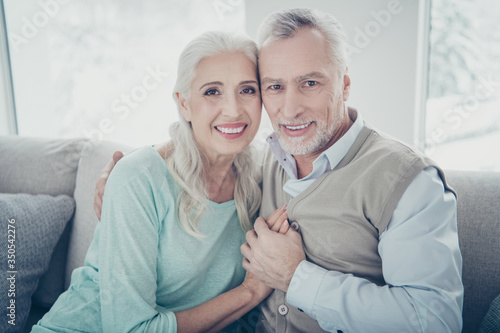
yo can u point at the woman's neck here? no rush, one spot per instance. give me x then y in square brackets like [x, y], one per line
[220, 179]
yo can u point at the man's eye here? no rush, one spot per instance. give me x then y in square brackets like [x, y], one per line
[275, 87]
[248, 91]
[311, 83]
[211, 92]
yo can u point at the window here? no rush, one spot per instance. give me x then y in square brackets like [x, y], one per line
[463, 105]
[104, 69]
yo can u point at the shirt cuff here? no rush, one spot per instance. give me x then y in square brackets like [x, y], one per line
[304, 286]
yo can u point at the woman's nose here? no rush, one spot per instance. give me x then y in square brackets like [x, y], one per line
[232, 107]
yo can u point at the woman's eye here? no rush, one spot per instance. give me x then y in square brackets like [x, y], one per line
[211, 92]
[248, 91]
[311, 83]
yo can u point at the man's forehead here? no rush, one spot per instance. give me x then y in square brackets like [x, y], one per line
[295, 57]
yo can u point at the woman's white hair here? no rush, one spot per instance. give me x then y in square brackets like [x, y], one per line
[186, 161]
[286, 23]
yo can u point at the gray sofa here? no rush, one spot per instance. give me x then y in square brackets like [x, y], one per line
[71, 167]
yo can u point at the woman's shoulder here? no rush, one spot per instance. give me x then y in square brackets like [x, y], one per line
[141, 163]
[141, 176]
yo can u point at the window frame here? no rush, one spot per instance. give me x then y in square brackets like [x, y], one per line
[7, 102]
[422, 74]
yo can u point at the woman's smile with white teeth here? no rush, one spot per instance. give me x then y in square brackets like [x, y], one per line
[230, 130]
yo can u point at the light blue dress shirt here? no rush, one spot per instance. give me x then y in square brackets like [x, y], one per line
[421, 259]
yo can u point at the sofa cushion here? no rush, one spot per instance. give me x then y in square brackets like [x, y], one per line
[479, 231]
[33, 224]
[43, 166]
[93, 159]
[51, 284]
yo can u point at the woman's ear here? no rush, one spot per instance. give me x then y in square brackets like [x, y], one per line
[184, 107]
[347, 85]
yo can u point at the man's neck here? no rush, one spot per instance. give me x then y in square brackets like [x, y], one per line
[305, 162]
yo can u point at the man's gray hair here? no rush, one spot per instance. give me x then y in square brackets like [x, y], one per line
[286, 23]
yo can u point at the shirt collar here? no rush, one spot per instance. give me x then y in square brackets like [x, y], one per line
[332, 156]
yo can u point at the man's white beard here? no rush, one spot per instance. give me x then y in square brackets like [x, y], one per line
[306, 145]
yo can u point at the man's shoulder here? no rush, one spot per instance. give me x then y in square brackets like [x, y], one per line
[380, 156]
[387, 147]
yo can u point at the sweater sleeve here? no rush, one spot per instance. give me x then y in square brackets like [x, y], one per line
[128, 252]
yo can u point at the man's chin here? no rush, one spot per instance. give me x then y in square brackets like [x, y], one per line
[295, 147]
[303, 146]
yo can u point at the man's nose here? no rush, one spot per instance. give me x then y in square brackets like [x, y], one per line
[292, 104]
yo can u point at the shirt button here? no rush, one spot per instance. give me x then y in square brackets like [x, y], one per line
[283, 309]
[295, 226]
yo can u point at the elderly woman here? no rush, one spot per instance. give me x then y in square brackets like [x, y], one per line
[165, 256]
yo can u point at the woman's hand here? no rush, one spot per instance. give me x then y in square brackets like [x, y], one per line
[258, 289]
[277, 221]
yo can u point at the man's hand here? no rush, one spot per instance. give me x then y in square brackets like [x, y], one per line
[272, 257]
[101, 182]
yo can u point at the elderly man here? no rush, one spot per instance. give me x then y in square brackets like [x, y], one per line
[376, 247]
[373, 245]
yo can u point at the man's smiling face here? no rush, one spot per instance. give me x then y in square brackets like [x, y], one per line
[302, 91]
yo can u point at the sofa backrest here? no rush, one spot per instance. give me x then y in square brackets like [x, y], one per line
[479, 237]
[42, 166]
[39, 166]
[93, 158]
[51, 166]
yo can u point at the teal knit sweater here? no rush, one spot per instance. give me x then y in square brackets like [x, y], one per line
[141, 266]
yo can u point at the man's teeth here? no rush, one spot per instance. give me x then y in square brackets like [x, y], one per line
[294, 128]
[230, 130]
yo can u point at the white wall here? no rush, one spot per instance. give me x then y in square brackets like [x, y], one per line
[383, 67]
[4, 106]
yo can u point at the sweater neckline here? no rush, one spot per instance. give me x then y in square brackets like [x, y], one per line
[356, 146]
[210, 203]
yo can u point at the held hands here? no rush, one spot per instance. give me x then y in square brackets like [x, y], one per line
[272, 256]
[101, 182]
[277, 222]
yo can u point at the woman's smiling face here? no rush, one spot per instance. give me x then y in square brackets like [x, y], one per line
[225, 105]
